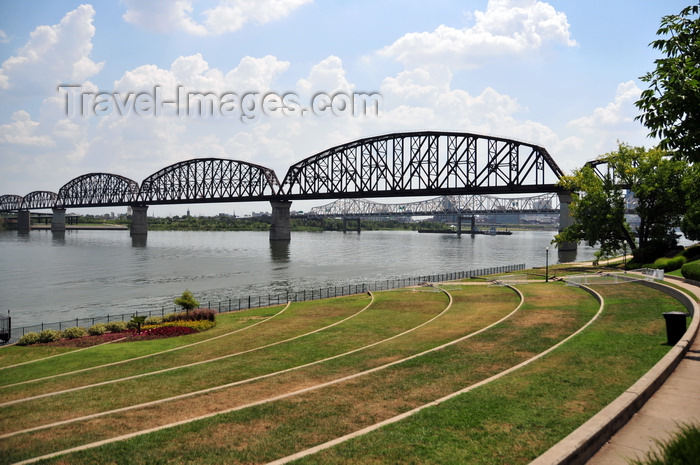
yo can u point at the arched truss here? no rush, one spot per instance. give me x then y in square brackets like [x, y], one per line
[604, 170]
[39, 199]
[10, 203]
[209, 179]
[97, 190]
[423, 163]
[447, 204]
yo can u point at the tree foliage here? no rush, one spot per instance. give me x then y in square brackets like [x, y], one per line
[598, 204]
[671, 104]
[598, 208]
[690, 225]
[187, 301]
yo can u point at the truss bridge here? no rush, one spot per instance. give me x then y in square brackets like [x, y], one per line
[459, 167]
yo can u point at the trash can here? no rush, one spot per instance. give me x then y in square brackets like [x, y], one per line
[675, 326]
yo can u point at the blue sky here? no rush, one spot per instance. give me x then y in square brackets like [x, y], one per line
[562, 74]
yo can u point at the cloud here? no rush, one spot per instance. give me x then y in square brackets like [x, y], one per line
[21, 131]
[53, 55]
[3, 37]
[506, 28]
[166, 16]
[619, 112]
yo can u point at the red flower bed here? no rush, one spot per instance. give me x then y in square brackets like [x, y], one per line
[162, 332]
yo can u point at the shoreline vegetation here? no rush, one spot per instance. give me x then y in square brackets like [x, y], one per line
[262, 223]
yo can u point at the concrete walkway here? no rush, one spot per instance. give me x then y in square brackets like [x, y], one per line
[676, 402]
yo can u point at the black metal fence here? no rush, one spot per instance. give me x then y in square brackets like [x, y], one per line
[245, 303]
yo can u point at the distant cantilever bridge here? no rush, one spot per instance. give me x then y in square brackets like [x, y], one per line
[426, 163]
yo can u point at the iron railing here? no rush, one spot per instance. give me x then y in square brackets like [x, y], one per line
[245, 303]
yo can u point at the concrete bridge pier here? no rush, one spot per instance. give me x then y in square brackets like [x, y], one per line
[139, 220]
[565, 220]
[58, 220]
[281, 224]
[459, 223]
[24, 221]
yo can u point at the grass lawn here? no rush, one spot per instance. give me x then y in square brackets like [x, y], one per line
[510, 420]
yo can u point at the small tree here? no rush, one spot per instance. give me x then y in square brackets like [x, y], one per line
[187, 301]
[137, 321]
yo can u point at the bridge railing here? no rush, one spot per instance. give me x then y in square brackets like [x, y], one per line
[245, 303]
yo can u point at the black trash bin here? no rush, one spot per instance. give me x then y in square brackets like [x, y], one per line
[675, 326]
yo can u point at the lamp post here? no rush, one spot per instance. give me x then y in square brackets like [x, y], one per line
[546, 267]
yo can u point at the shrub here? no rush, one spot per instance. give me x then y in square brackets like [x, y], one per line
[691, 270]
[669, 264]
[187, 301]
[28, 339]
[97, 330]
[116, 326]
[154, 320]
[74, 333]
[195, 315]
[49, 335]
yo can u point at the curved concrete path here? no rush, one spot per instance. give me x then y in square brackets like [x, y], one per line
[676, 402]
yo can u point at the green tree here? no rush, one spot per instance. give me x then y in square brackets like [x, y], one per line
[187, 301]
[598, 208]
[671, 104]
[657, 182]
[690, 225]
[598, 205]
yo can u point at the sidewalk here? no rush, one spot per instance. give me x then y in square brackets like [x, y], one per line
[677, 401]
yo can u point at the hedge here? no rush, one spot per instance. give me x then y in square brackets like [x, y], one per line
[691, 270]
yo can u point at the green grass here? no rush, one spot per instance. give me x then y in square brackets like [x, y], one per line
[682, 449]
[511, 420]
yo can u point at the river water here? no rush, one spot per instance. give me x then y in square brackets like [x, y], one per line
[48, 277]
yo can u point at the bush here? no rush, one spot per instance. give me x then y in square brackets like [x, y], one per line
[187, 301]
[154, 320]
[97, 330]
[74, 333]
[28, 339]
[116, 326]
[669, 264]
[195, 315]
[691, 270]
[49, 335]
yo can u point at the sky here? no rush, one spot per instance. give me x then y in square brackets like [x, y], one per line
[103, 86]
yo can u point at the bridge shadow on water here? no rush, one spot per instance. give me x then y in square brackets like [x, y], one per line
[279, 251]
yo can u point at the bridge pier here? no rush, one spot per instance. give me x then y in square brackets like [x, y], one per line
[459, 223]
[345, 224]
[24, 221]
[565, 220]
[281, 224]
[139, 220]
[58, 220]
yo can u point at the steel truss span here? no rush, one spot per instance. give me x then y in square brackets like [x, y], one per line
[449, 204]
[10, 203]
[209, 180]
[97, 190]
[423, 163]
[39, 200]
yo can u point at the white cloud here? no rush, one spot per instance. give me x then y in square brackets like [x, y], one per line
[3, 37]
[506, 28]
[22, 131]
[326, 76]
[54, 54]
[165, 16]
[618, 112]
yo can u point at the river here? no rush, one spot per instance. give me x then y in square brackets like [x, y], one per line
[48, 277]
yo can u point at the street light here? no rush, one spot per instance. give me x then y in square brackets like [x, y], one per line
[546, 268]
